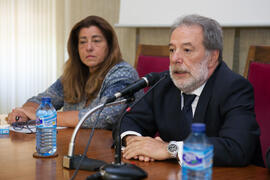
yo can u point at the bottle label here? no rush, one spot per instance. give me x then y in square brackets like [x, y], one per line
[46, 120]
[197, 159]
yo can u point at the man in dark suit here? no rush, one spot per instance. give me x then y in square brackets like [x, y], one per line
[224, 101]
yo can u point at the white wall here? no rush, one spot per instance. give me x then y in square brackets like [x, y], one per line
[162, 13]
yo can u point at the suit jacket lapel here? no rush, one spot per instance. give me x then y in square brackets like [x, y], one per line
[202, 105]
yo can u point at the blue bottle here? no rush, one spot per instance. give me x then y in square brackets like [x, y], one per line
[46, 128]
[197, 155]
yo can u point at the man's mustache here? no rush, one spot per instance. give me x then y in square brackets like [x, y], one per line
[179, 69]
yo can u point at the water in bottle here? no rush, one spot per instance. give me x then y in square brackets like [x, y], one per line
[46, 128]
[197, 155]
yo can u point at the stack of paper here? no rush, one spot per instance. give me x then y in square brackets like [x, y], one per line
[4, 126]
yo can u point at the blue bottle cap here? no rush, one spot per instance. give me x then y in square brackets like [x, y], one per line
[198, 127]
[46, 99]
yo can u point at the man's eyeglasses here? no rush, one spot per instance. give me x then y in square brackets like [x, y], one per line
[29, 125]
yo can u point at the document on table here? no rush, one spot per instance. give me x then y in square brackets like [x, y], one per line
[30, 129]
[3, 119]
[4, 126]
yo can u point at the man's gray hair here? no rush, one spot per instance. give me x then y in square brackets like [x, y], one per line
[212, 31]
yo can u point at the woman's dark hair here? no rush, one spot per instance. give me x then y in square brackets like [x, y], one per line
[76, 79]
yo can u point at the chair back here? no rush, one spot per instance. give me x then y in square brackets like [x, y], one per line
[258, 54]
[259, 76]
[151, 58]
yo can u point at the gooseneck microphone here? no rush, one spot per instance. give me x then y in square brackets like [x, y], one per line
[149, 80]
[72, 161]
[119, 170]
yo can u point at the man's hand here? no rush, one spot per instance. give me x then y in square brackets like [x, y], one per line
[145, 148]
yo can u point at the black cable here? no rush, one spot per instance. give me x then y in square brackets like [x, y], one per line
[115, 134]
[95, 176]
[88, 143]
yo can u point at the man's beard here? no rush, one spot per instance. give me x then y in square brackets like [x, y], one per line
[197, 76]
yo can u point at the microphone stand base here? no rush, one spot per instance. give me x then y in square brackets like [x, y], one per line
[87, 163]
[122, 171]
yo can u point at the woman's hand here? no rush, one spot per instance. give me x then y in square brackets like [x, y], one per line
[25, 113]
[17, 114]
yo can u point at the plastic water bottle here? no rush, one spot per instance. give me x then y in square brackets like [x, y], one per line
[46, 128]
[197, 154]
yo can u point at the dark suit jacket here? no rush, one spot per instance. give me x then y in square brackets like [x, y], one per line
[267, 158]
[226, 106]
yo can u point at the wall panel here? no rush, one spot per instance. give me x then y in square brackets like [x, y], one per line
[156, 36]
[228, 46]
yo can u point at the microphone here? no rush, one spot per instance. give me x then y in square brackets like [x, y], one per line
[72, 161]
[149, 80]
[119, 170]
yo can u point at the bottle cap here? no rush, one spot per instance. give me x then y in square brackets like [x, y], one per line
[46, 99]
[198, 127]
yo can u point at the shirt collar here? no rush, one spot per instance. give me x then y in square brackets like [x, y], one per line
[197, 91]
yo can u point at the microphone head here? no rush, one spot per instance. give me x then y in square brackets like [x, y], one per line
[152, 78]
